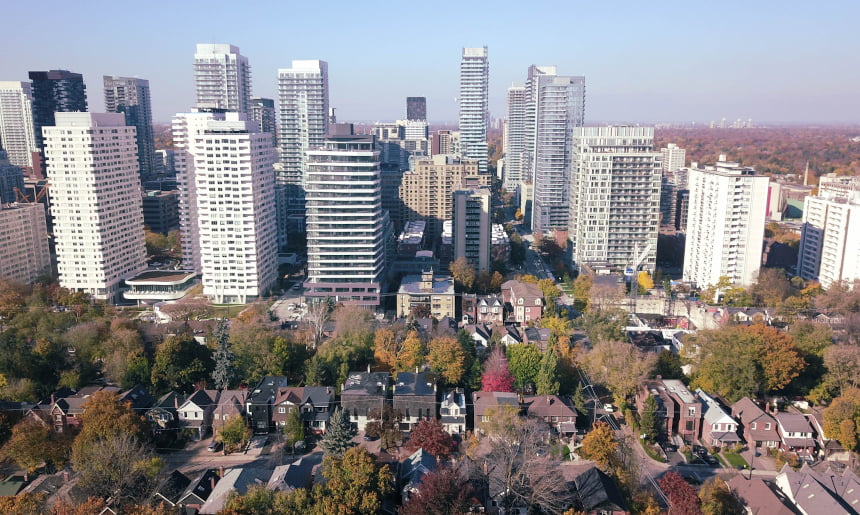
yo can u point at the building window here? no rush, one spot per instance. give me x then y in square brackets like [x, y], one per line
[282, 410]
[691, 412]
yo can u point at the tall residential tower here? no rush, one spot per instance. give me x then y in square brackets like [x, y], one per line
[55, 91]
[222, 78]
[16, 122]
[474, 104]
[131, 96]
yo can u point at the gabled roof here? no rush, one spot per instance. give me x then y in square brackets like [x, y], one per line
[202, 399]
[793, 423]
[291, 476]
[483, 401]
[417, 466]
[597, 492]
[200, 488]
[231, 402]
[235, 480]
[290, 395]
[522, 290]
[816, 492]
[712, 411]
[139, 398]
[759, 497]
[413, 385]
[266, 390]
[318, 395]
[548, 406]
[172, 488]
[480, 329]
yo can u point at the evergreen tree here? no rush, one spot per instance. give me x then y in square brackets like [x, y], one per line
[224, 372]
[579, 398]
[648, 419]
[338, 434]
[546, 381]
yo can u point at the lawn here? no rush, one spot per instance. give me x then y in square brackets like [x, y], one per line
[735, 459]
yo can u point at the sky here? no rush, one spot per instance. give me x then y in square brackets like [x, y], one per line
[644, 62]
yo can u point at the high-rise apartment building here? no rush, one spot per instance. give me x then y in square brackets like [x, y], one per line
[131, 96]
[263, 114]
[11, 177]
[725, 224]
[222, 78]
[555, 108]
[95, 202]
[24, 253]
[474, 105]
[674, 158]
[16, 122]
[472, 227]
[416, 108]
[830, 242]
[445, 142]
[55, 91]
[614, 197]
[227, 204]
[515, 138]
[303, 122]
[427, 189]
[349, 234]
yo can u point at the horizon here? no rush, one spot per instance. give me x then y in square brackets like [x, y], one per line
[789, 66]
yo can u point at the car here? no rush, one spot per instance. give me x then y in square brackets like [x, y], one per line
[215, 446]
[609, 408]
[668, 447]
[711, 460]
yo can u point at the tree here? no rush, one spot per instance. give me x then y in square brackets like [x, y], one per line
[355, 484]
[411, 354]
[234, 434]
[717, 499]
[550, 291]
[180, 362]
[384, 424]
[385, 348]
[33, 443]
[294, 428]
[121, 467]
[668, 365]
[620, 366]
[682, 497]
[524, 362]
[582, 291]
[603, 324]
[464, 273]
[546, 380]
[842, 419]
[843, 367]
[224, 373]
[105, 416]
[441, 492]
[156, 242]
[23, 504]
[529, 279]
[497, 377]
[430, 435]
[648, 420]
[447, 358]
[779, 359]
[644, 281]
[338, 435]
[318, 315]
[599, 445]
[771, 288]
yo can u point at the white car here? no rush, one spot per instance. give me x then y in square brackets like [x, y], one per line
[609, 408]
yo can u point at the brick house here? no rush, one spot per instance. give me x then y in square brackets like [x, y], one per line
[523, 302]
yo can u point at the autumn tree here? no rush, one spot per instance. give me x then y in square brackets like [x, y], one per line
[339, 434]
[524, 362]
[384, 423]
[718, 499]
[318, 314]
[411, 354]
[294, 428]
[447, 358]
[234, 434]
[603, 324]
[842, 419]
[430, 435]
[24, 503]
[441, 492]
[644, 281]
[355, 484]
[682, 497]
[180, 362]
[497, 376]
[843, 367]
[582, 291]
[550, 291]
[599, 445]
[464, 274]
[620, 366]
[779, 359]
[33, 443]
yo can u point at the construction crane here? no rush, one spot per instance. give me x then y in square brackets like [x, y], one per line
[631, 272]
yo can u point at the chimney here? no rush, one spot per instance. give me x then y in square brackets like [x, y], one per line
[212, 481]
[368, 368]
[53, 400]
[176, 401]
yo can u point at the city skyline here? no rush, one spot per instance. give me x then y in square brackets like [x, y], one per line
[772, 65]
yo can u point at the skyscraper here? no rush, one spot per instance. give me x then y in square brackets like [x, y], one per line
[830, 242]
[96, 202]
[24, 255]
[227, 204]
[515, 138]
[472, 227]
[614, 197]
[555, 108]
[131, 96]
[11, 177]
[349, 234]
[303, 122]
[474, 104]
[674, 158]
[16, 122]
[263, 115]
[416, 108]
[725, 224]
[222, 78]
[55, 91]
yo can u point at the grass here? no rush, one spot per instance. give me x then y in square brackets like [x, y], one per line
[227, 310]
[722, 460]
[649, 450]
[735, 459]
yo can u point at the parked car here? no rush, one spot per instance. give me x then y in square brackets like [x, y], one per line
[609, 408]
[215, 446]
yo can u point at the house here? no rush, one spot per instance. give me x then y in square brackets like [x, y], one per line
[172, 488]
[747, 315]
[430, 327]
[480, 333]
[719, 428]
[236, 480]
[199, 490]
[509, 334]
[649, 341]
[428, 292]
[523, 301]
[453, 411]
[163, 415]
[258, 404]
[195, 413]
[138, 399]
[823, 493]
[314, 403]
[830, 449]
[230, 404]
[759, 428]
[537, 336]
[363, 392]
[679, 410]
[760, 497]
[412, 470]
[795, 433]
[65, 412]
[595, 493]
[556, 411]
[483, 309]
[286, 478]
[287, 400]
[414, 398]
[485, 403]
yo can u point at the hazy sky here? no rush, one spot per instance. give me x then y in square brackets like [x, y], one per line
[785, 61]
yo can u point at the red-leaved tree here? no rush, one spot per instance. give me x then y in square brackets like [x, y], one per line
[441, 492]
[682, 497]
[497, 376]
[431, 436]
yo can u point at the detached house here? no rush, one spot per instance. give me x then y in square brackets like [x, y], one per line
[719, 428]
[453, 411]
[678, 409]
[363, 392]
[483, 309]
[485, 403]
[759, 428]
[313, 402]
[196, 412]
[164, 414]
[554, 410]
[230, 404]
[523, 301]
[258, 405]
[796, 433]
[414, 398]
